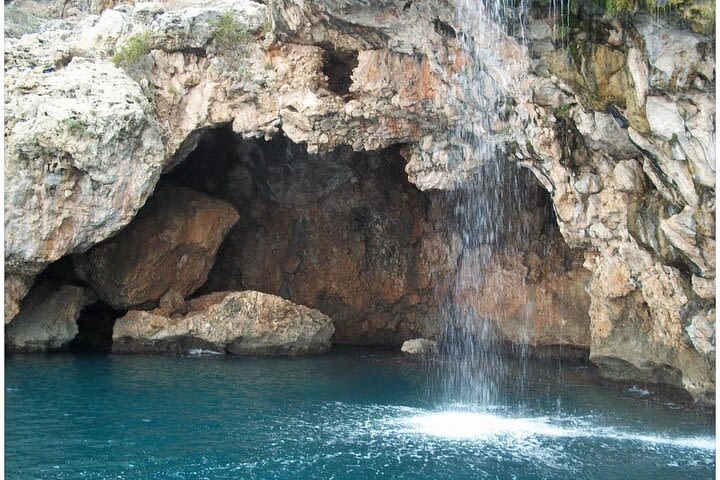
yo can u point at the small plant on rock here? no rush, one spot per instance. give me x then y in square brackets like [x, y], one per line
[132, 51]
[615, 7]
[229, 34]
[74, 126]
[562, 110]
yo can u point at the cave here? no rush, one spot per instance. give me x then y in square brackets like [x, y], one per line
[346, 233]
[62, 313]
[338, 66]
[95, 327]
[341, 232]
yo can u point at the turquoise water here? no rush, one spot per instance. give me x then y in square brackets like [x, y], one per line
[350, 415]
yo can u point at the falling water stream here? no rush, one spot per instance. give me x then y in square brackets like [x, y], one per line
[365, 415]
[482, 389]
[487, 209]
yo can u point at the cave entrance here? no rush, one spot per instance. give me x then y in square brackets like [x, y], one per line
[95, 329]
[61, 313]
[343, 232]
[95, 320]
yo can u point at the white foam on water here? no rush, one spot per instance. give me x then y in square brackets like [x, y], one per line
[638, 391]
[482, 426]
[478, 426]
[201, 352]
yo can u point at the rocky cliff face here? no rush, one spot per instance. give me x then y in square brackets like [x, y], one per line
[615, 118]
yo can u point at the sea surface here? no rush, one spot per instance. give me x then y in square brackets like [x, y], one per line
[346, 415]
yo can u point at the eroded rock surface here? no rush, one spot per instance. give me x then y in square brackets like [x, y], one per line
[617, 123]
[16, 287]
[47, 318]
[240, 323]
[170, 245]
[82, 154]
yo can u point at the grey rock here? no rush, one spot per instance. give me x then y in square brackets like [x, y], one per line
[194, 26]
[664, 118]
[704, 287]
[47, 318]
[419, 346]
[588, 183]
[674, 55]
[702, 332]
[83, 153]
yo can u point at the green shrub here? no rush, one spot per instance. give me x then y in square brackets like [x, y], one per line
[74, 126]
[229, 34]
[134, 49]
[562, 110]
[615, 7]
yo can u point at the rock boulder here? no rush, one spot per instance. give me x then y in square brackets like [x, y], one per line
[82, 154]
[47, 318]
[419, 346]
[240, 323]
[171, 244]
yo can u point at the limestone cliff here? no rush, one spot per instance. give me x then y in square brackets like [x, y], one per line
[614, 116]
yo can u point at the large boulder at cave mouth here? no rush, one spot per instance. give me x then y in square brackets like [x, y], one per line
[170, 245]
[240, 323]
[48, 318]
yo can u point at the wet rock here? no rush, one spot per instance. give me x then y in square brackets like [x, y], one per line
[534, 298]
[637, 322]
[170, 245]
[602, 132]
[681, 232]
[240, 323]
[588, 183]
[675, 56]
[664, 118]
[47, 318]
[702, 332]
[419, 346]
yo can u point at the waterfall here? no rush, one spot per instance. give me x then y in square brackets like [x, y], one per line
[487, 210]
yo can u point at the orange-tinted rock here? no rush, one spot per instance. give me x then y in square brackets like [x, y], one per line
[171, 244]
[533, 300]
